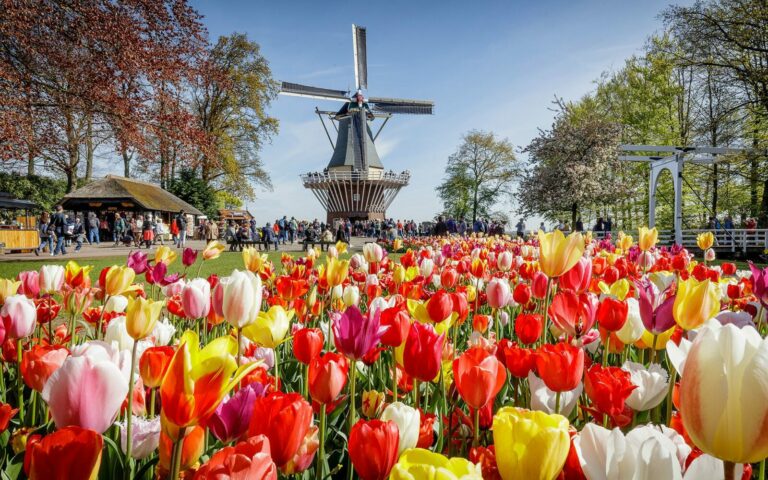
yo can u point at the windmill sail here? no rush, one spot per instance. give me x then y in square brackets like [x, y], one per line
[361, 57]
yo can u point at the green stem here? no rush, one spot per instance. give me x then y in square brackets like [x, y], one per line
[73, 337]
[441, 412]
[101, 318]
[352, 413]
[416, 393]
[20, 381]
[653, 348]
[151, 403]
[129, 413]
[476, 426]
[543, 338]
[176, 456]
[319, 470]
[239, 337]
[394, 376]
[277, 367]
[761, 474]
[605, 351]
[670, 390]
[557, 402]
[34, 408]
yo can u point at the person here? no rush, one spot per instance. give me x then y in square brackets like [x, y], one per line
[520, 228]
[58, 223]
[213, 231]
[341, 234]
[579, 225]
[728, 222]
[45, 236]
[560, 225]
[159, 231]
[600, 225]
[542, 227]
[78, 233]
[93, 229]
[441, 228]
[269, 236]
[293, 227]
[120, 227]
[147, 233]
[608, 225]
[181, 223]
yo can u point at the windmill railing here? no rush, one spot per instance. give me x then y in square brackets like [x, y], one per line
[312, 178]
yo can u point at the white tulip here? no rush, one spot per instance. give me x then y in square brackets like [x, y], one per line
[655, 454]
[678, 353]
[351, 295]
[652, 384]
[426, 267]
[544, 399]
[373, 252]
[241, 301]
[408, 421]
[707, 467]
[118, 334]
[163, 332]
[604, 454]
[50, 278]
[116, 304]
[633, 328]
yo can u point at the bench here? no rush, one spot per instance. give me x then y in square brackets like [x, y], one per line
[323, 244]
[238, 245]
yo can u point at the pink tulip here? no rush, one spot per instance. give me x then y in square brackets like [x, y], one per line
[19, 316]
[196, 298]
[87, 391]
[138, 262]
[233, 415]
[30, 284]
[356, 334]
[504, 261]
[578, 277]
[498, 293]
[188, 257]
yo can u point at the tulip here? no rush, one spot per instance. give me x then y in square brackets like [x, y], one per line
[138, 262]
[77, 276]
[449, 277]
[284, 418]
[51, 279]
[633, 328]
[19, 316]
[723, 391]
[86, 391]
[190, 451]
[426, 267]
[652, 385]
[522, 293]
[498, 293]
[408, 422]
[241, 301]
[117, 334]
[6, 414]
[270, 327]
[655, 312]
[197, 380]
[249, 459]
[116, 304]
[145, 437]
[558, 254]
[647, 238]
[253, 260]
[196, 298]
[695, 302]
[373, 252]
[518, 360]
[398, 322]
[421, 464]
[560, 366]
[153, 364]
[351, 295]
[504, 261]
[71, 453]
[40, 362]
[545, 400]
[213, 250]
[608, 388]
[373, 448]
[440, 306]
[760, 283]
[141, 317]
[232, 417]
[307, 344]
[118, 280]
[29, 285]
[165, 255]
[479, 377]
[573, 314]
[423, 352]
[539, 284]
[529, 327]
[579, 277]
[612, 314]
[535, 444]
[327, 376]
[336, 271]
[354, 334]
[705, 240]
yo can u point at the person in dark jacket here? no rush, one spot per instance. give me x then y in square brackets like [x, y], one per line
[58, 225]
[441, 228]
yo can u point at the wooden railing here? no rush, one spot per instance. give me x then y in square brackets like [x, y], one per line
[735, 240]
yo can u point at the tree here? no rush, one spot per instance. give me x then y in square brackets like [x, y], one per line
[189, 187]
[230, 100]
[44, 191]
[478, 176]
[572, 166]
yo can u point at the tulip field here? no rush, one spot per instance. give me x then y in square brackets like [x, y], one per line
[559, 357]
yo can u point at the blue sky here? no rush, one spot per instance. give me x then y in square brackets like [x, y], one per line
[487, 65]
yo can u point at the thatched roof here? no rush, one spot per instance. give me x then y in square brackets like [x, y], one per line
[125, 194]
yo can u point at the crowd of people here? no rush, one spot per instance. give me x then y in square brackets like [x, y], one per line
[451, 226]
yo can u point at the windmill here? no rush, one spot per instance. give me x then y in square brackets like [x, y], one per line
[355, 185]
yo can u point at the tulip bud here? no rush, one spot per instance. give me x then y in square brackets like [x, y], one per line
[141, 317]
[539, 285]
[373, 402]
[351, 295]
[19, 316]
[504, 261]
[408, 421]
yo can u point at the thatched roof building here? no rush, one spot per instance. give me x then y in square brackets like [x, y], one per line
[116, 193]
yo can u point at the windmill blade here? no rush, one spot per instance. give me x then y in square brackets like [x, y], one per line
[299, 90]
[401, 105]
[361, 56]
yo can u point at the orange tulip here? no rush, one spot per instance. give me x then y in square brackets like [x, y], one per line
[153, 365]
[248, 459]
[479, 377]
[191, 449]
[70, 453]
[39, 363]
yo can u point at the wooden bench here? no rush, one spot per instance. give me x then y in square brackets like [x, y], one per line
[323, 244]
[238, 245]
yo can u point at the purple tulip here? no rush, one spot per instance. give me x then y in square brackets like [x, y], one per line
[355, 334]
[138, 262]
[157, 275]
[233, 415]
[188, 257]
[655, 310]
[760, 283]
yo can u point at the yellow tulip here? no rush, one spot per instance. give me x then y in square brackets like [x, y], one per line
[530, 444]
[253, 260]
[165, 255]
[646, 341]
[75, 275]
[695, 302]
[141, 316]
[336, 271]
[397, 245]
[705, 240]
[119, 280]
[558, 254]
[398, 274]
[618, 289]
[373, 403]
[625, 241]
[341, 247]
[8, 288]
[213, 250]
[270, 327]
[647, 238]
[421, 464]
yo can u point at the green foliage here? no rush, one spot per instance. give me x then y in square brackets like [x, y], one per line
[44, 191]
[189, 187]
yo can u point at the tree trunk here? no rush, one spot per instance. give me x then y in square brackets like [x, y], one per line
[126, 162]
[89, 150]
[71, 180]
[574, 212]
[474, 206]
[30, 162]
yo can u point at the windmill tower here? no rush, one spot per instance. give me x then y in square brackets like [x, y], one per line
[355, 184]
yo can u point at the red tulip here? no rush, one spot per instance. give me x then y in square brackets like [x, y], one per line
[249, 459]
[449, 277]
[522, 293]
[539, 285]
[398, 322]
[70, 453]
[460, 305]
[612, 314]
[188, 257]
[608, 388]
[573, 314]
[423, 352]
[327, 377]
[528, 327]
[578, 277]
[373, 448]
[39, 362]
[47, 309]
[426, 430]
[480, 322]
[307, 344]
[518, 360]
[440, 306]
[284, 418]
[560, 366]
[479, 377]
[153, 364]
[191, 447]
[6, 414]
